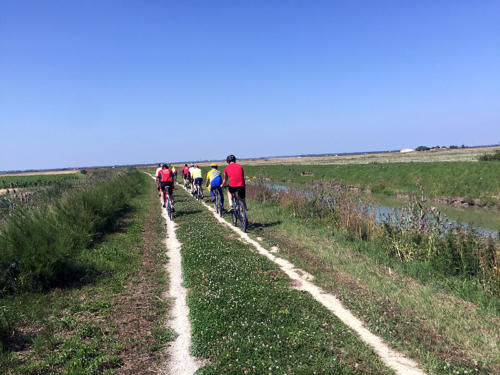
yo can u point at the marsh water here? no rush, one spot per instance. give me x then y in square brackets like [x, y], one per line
[485, 221]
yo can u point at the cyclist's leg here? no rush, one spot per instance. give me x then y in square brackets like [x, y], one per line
[230, 197]
[216, 185]
[163, 196]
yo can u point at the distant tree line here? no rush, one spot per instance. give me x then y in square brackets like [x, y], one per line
[491, 157]
[425, 148]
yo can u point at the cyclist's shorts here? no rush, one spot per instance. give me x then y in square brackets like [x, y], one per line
[198, 181]
[216, 182]
[238, 189]
[166, 185]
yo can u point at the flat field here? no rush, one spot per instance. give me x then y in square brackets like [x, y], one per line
[461, 154]
[477, 183]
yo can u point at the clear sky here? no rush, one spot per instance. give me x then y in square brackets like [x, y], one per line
[96, 82]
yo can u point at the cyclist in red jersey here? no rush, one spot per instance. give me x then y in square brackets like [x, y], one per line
[185, 173]
[166, 178]
[234, 172]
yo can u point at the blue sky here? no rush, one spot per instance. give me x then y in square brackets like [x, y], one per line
[115, 82]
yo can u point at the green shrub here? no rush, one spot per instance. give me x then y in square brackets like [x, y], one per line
[491, 157]
[38, 247]
[418, 234]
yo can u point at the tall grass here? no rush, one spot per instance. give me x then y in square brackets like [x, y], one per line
[477, 183]
[418, 234]
[491, 157]
[37, 246]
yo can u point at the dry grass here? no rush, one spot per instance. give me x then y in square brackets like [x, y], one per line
[460, 154]
[468, 154]
[42, 173]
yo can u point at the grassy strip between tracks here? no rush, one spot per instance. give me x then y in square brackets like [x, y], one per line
[245, 316]
[477, 182]
[447, 335]
[110, 320]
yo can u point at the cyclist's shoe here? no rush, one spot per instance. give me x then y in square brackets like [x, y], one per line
[230, 209]
[173, 208]
[163, 205]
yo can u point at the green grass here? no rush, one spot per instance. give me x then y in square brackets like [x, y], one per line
[38, 180]
[38, 246]
[470, 180]
[111, 316]
[245, 316]
[446, 334]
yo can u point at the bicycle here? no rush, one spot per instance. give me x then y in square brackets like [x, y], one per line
[239, 213]
[218, 202]
[168, 205]
[198, 192]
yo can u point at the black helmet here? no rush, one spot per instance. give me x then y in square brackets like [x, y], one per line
[230, 159]
[165, 165]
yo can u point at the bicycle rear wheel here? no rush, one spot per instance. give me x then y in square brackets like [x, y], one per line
[221, 207]
[217, 201]
[169, 207]
[169, 211]
[243, 218]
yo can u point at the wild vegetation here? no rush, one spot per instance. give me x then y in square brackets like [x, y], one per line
[37, 246]
[420, 234]
[16, 182]
[476, 183]
[102, 313]
[491, 157]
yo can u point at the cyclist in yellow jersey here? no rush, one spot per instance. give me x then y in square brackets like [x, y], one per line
[196, 177]
[214, 181]
[174, 171]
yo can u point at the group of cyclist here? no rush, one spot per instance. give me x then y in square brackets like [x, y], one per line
[233, 176]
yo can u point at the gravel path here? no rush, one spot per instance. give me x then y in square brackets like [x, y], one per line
[180, 362]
